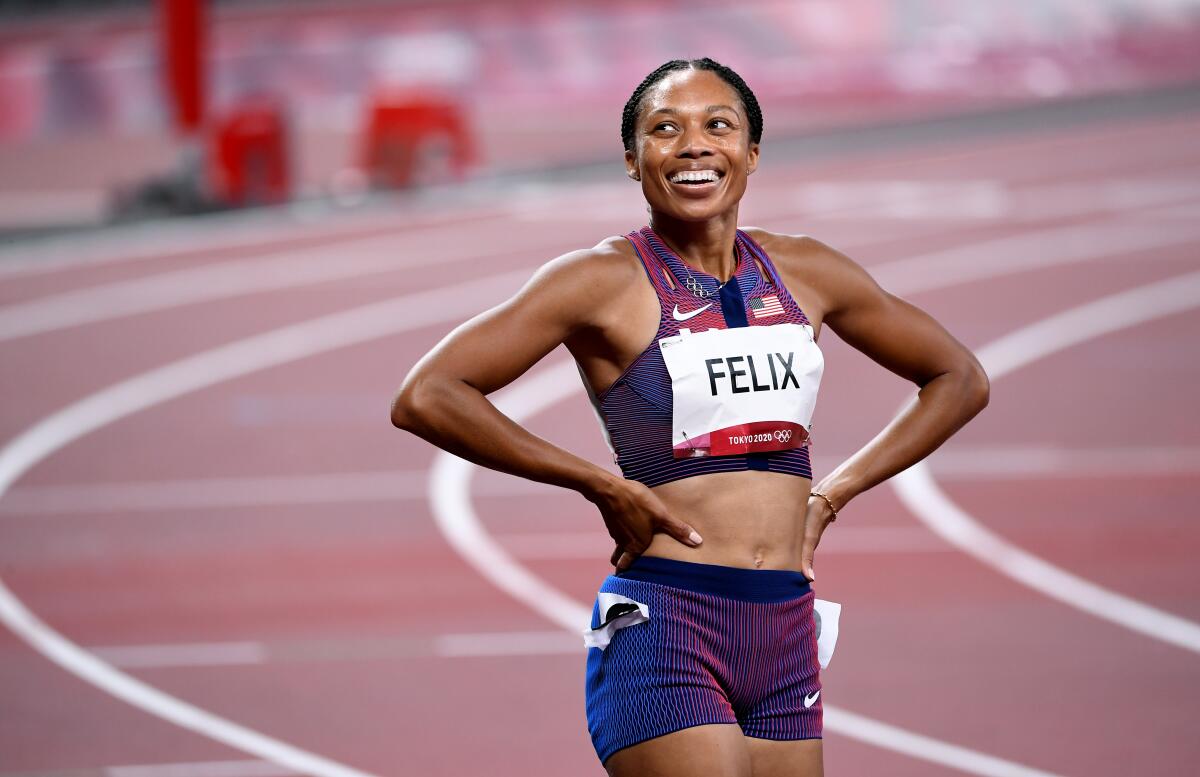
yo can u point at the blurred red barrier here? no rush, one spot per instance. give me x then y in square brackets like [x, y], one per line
[248, 155]
[414, 138]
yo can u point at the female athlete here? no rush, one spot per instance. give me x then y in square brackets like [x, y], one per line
[697, 343]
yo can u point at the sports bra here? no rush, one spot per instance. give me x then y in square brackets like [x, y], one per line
[635, 412]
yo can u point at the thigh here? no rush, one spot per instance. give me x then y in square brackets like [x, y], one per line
[785, 758]
[716, 750]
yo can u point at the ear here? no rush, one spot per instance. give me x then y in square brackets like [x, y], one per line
[752, 158]
[631, 169]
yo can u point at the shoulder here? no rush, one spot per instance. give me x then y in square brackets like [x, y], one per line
[610, 262]
[806, 261]
[792, 249]
[573, 283]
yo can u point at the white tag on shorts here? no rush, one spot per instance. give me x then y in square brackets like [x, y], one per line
[826, 614]
[744, 390]
[616, 612]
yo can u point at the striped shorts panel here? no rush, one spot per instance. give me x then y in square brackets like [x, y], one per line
[721, 645]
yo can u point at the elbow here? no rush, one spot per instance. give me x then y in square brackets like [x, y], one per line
[409, 406]
[979, 387]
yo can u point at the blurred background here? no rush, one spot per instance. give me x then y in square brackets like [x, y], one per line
[309, 99]
[229, 228]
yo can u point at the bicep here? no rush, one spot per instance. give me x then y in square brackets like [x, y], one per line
[890, 330]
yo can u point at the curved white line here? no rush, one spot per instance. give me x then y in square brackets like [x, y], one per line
[920, 493]
[194, 373]
[356, 257]
[176, 379]
[449, 495]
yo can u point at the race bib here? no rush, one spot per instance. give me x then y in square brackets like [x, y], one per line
[743, 390]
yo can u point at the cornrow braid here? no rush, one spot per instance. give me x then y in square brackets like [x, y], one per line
[749, 101]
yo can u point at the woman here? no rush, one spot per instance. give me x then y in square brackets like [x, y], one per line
[702, 657]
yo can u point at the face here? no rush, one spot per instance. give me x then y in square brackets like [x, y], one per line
[692, 149]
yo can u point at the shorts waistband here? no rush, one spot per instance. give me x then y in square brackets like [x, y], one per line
[747, 585]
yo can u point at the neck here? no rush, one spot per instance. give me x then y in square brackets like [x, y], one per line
[704, 245]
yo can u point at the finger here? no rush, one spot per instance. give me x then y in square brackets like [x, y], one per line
[625, 561]
[684, 533]
[616, 554]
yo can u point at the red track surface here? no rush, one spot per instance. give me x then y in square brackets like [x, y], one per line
[350, 597]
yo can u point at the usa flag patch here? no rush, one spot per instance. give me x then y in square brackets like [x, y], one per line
[762, 307]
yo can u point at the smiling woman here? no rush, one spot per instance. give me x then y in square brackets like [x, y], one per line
[697, 343]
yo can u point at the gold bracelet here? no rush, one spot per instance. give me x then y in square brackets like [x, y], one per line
[818, 493]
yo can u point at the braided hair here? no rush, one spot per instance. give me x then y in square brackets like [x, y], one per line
[749, 101]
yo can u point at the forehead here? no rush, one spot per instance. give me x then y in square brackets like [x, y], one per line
[685, 89]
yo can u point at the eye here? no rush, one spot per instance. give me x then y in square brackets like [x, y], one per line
[663, 125]
[721, 124]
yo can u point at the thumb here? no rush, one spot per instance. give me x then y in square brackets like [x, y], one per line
[684, 533]
[806, 559]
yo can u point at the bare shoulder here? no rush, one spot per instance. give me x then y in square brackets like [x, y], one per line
[608, 265]
[569, 288]
[830, 275]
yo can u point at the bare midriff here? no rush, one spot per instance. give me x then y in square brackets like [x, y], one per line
[748, 519]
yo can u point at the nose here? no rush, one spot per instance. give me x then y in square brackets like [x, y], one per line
[694, 143]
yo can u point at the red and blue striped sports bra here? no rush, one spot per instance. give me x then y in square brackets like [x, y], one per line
[635, 411]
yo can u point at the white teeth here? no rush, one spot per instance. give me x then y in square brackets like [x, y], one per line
[694, 175]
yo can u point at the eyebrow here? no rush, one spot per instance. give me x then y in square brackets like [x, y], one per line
[708, 109]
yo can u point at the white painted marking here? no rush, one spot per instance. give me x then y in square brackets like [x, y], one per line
[165, 496]
[209, 368]
[920, 493]
[202, 769]
[176, 379]
[953, 462]
[268, 272]
[449, 493]
[987, 199]
[1027, 251]
[925, 748]
[182, 654]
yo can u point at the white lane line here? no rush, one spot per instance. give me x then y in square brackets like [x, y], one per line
[182, 654]
[984, 199]
[218, 493]
[239, 358]
[1028, 251]
[266, 272]
[201, 769]
[378, 254]
[960, 463]
[921, 494]
[450, 495]
[925, 748]
[279, 346]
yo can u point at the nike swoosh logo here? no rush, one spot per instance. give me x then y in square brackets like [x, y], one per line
[811, 699]
[685, 316]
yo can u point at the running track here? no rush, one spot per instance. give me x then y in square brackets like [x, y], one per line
[208, 519]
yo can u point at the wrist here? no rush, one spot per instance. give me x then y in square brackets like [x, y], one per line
[830, 511]
[599, 486]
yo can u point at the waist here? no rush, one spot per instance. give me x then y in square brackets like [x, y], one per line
[747, 585]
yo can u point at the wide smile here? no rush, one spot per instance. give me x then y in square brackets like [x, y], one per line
[695, 183]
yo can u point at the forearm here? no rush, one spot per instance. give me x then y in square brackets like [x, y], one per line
[942, 407]
[458, 418]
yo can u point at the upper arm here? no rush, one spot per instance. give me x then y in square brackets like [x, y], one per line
[497, 346]
[890, 330]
